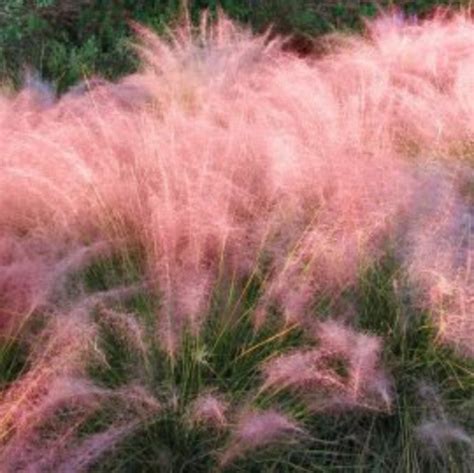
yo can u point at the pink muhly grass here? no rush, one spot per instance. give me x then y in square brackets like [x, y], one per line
[256, 430]
[27, 441]
[226, 157]
[48, 442]
[436, 433]
[295, 194]
[136, 399]
[196, 213]
[343, 372]
[35, 434]
[368, 384]
[114, 295]
[81, 457]
[437, 436]
[299, 370]
[33, 276]
[25, 279]
[25, 420]
[421, 80]
[438, 256]
[21, 293]
[209, 410]
[128, 328]
[57, 356]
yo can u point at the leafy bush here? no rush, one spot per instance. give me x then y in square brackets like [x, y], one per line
[67, 40]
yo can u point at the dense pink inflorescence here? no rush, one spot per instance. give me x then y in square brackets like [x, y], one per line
[210, 410]
[258, 429]
[342, 372]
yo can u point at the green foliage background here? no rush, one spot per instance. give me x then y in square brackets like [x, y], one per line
[66, 40]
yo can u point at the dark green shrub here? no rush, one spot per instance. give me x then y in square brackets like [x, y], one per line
[66, 40]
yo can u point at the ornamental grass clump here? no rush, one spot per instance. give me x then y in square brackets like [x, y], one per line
[182, 252]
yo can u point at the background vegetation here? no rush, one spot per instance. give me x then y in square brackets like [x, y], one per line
[67, 40]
